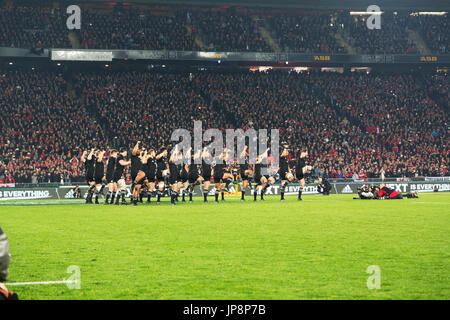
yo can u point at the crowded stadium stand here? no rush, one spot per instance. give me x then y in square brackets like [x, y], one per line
[306, 32]
[393, 37]
[353, 123]
[42, 128]
[29, 27]
[381, 122]
[434, 30]
[222, 29]
[229, 31]
[133, 29]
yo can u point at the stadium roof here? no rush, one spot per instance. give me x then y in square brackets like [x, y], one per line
[307, 4]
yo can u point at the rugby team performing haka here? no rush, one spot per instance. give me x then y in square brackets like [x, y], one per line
[173, 174]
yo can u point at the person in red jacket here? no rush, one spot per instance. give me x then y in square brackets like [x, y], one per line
[7, 295]
[388, 193]
[10, 179]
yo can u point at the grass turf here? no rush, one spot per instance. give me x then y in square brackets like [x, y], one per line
[316, 249]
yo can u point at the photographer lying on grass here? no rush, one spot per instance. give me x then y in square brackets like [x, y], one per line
[381, 192]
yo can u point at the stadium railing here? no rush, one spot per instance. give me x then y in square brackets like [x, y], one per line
[172, 55]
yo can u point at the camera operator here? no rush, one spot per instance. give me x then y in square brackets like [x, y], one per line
[323, 186]
[366, 192]
[77, 192]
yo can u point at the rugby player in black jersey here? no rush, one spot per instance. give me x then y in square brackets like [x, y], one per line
[83, 161]
[262, 181]
[89, 162]
[193, 175]
[99, 173]
[136, 165]
[139, 180]
[150, 171]
[184, 179]
[162, 169]
[110, 167]
[144, 182]
[119, 185]
[244, 171]
[285, 171]
[227, 174]
[222, 176]
[206, 172]
[301, 170]
[174, 174]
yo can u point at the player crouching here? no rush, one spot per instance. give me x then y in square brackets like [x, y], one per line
[139, 181]
[222, 176]
[174, 174]
[300, 171]
[194, 177]
[262, 182]
[162, 171]
[323, 186]
[99, 174]
[284, 172]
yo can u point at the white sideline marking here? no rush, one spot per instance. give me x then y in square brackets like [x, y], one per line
[432, 202]
[39, 282]
[323, 200]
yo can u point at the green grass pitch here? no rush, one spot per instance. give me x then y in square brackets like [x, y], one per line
[316, 249]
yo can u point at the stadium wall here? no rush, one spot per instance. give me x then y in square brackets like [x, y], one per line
[65, 192]
[267, 57]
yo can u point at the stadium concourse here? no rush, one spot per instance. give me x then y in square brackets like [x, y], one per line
[221, 29]
[351, 123]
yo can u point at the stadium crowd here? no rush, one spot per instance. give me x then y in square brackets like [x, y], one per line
[354, 125]
[146, 106]
[229, 31]
[402, 131]
[132, 29]
[305, 33]
[42, 128]
[434, 31]
[392, 37]
[26, 27]
[221, 29]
